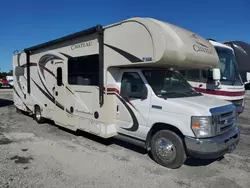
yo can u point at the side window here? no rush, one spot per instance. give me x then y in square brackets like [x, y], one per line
[133, 85]
[84, 70]
[59, 76]
[182, 72]
[193, 74]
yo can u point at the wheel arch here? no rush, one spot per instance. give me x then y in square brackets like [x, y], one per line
[35, 106]
[162, 126]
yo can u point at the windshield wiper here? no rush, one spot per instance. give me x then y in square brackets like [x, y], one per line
[193, 91]
[174, 92]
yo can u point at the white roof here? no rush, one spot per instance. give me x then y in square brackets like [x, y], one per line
[170, 46]
[186, 48]
[220, 44]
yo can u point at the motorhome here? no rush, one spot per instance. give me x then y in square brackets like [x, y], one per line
[230, 87]
[242, 53]
[121, 81]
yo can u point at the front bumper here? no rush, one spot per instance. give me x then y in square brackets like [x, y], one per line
[239, 109]
[213, 148]
[239, 104]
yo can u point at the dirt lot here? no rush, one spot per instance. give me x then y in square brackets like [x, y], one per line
[33, 155]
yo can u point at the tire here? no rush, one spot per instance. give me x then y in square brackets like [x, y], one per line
[38, 116]
[175, 154]
[18, 111]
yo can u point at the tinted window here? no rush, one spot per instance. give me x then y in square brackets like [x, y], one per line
[59, 76]
[193, 74]
[170, 84]
[228, 64]
[84, 70]
[182, 72]
[134, 80]
[207, 74]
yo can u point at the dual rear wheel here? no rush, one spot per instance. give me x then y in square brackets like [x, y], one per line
[38, 115]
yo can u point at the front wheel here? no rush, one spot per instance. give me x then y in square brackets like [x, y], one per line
[167, 149]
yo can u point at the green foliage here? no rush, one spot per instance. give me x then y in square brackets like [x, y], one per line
[4, 74]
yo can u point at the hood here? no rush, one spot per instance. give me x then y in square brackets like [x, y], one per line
[198, 105]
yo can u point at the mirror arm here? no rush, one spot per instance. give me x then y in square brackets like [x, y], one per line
[217, 84]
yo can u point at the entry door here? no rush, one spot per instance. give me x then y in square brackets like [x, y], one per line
[132, 107]
[59, 95]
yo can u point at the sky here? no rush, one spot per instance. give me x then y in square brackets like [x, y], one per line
[27, 23]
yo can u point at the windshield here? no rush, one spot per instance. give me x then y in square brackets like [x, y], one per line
[169, 84]
[228, 64]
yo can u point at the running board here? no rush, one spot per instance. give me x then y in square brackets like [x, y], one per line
[131, 140]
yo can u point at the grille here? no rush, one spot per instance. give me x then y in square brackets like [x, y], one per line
[226, 121]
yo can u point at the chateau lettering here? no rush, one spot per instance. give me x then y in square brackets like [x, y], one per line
[201, 49]
[81, 45]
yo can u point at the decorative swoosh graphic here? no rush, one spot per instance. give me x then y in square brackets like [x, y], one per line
[20, 98]
[32, 64]
[44, 60]
[135, 125]
[16, 92]
[66, 55]
[51, 98]
[18, 77]
[125, 54]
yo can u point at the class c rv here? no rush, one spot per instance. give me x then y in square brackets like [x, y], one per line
[230, 86]
[242, 53]
[121, 81]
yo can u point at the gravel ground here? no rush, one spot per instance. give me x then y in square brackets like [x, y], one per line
[33, 155]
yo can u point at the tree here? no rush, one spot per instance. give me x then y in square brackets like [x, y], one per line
[10, 72]
[4, 74]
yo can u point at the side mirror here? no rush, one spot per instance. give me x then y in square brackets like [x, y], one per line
[216, 74]
[248, 76]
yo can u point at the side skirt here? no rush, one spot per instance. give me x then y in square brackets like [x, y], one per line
[131, 140]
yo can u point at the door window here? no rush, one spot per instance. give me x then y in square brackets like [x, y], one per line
[193, 74]
[133, 86]
[59, 76]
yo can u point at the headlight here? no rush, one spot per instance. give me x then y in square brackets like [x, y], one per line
[204, 126]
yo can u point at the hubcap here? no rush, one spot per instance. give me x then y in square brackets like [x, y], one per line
[165, 149]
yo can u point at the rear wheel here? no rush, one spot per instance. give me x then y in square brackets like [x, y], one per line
[18, 111]
[38, 116]
[167, 149]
